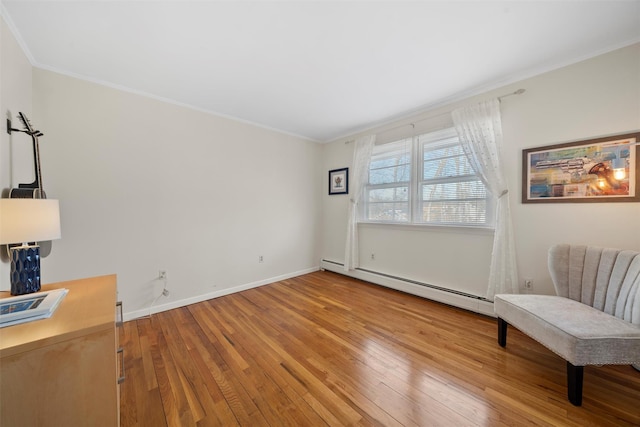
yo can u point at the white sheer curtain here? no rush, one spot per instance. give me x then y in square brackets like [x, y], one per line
[358, 179]
[480, 130]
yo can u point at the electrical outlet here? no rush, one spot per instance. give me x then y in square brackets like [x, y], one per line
[260, 258]
[162, 274]
[373, 257]
[528, 284]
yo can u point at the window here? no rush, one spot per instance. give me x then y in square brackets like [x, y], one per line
[426, 180]
[387, 194]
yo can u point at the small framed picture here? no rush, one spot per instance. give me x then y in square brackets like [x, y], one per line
[339, 181]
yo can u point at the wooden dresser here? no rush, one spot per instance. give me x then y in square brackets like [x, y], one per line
[63, 371]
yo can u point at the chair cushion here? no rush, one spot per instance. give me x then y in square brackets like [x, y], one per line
[577, 332]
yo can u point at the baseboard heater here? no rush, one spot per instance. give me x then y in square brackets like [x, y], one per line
[448, 296]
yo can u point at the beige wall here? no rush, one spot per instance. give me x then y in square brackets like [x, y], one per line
[147, 185]
[599, 96]
[15, 149]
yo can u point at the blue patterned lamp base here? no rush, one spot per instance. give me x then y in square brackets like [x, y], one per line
[25, 270]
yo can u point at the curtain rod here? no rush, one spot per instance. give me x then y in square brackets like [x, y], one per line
[413, 124]
[517, 92]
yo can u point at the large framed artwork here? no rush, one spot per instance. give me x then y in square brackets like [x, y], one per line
[594, 170]
[339, 181]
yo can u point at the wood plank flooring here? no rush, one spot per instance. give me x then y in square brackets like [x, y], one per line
[326, 350]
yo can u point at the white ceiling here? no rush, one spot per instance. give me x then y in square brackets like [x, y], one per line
[318, 69]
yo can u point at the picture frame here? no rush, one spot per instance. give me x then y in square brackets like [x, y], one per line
[28, 307]
[339, 181]
[603, 169]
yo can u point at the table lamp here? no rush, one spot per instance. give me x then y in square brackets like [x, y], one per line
[25, 222]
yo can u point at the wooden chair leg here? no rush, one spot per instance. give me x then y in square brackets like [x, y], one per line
[502, 332]
[575, 375]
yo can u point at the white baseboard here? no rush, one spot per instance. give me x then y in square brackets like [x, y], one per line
[459, 300]
[456, 299]
[222, 292]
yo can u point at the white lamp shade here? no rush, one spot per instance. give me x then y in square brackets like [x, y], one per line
[29, 220]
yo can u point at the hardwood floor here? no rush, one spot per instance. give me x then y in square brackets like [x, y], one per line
[324, 349]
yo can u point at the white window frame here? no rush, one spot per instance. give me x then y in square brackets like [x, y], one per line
[386, 149]
[417, 182]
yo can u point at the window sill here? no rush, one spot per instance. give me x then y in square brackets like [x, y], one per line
[458, 229]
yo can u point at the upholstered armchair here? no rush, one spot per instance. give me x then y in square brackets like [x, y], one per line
[593, 320]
